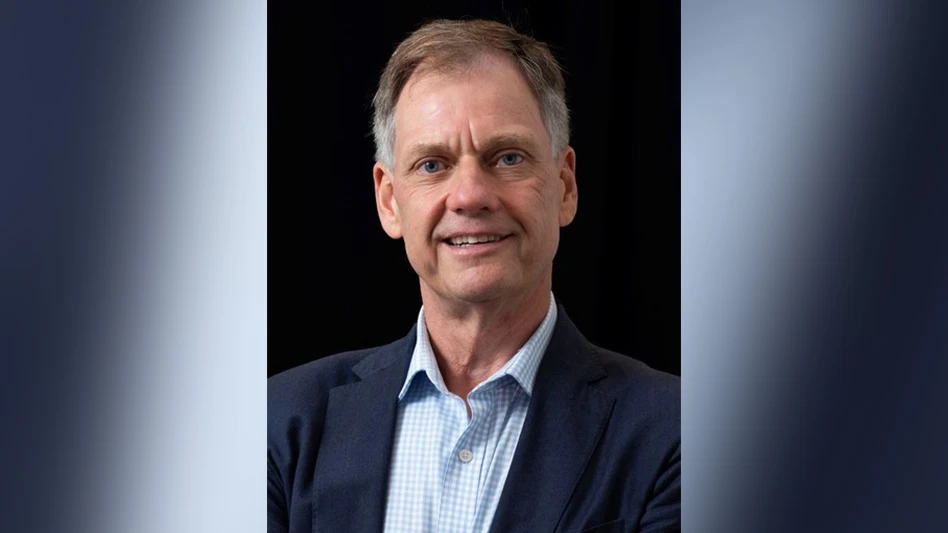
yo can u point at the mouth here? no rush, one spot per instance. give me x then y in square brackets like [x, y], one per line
[469, 241]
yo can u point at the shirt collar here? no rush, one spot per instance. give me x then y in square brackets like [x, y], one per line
[522, 366]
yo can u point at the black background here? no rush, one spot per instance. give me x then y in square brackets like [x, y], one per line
[336, 282]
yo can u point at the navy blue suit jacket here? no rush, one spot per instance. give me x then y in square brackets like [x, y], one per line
[600, 449]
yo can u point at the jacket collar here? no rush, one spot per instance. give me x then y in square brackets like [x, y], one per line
[564, 422]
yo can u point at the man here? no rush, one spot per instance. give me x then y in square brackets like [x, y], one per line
[493, 413]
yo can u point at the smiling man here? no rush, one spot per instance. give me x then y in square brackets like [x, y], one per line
[494, 413]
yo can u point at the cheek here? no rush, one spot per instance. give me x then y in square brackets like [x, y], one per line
[418, 215]
[542, 208]
[546, 224]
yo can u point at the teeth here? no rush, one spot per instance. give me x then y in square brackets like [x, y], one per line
[473, 239]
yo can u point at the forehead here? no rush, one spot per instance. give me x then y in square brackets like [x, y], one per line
[490, 97]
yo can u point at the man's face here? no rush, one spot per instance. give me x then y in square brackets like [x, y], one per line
[475, 192]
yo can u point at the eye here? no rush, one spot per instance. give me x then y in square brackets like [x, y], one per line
[431, 166]
[509, 160]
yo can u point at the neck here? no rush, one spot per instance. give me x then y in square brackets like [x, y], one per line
[473, 340]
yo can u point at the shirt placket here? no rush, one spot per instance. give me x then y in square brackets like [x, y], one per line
[461, 485]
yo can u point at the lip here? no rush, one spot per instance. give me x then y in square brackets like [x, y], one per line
[475, 233]
[475, 249]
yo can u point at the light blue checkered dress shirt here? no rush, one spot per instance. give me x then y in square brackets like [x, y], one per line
[448, 471]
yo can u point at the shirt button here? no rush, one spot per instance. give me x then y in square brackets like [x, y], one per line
[465, 455]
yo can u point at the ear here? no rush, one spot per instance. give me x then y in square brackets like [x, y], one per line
[570, 197]
[385, 201]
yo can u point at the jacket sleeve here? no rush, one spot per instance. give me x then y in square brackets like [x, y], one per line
[663, 509]
[277, 517]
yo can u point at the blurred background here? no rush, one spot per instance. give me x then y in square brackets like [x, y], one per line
[814, 282]
[133, 278]
[135, 232]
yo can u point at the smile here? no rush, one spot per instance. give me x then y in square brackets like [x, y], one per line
[470, 240]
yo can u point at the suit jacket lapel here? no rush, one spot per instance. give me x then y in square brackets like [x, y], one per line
[563, 425]
[355, 451]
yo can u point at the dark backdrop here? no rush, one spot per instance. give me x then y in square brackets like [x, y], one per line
[337, 282]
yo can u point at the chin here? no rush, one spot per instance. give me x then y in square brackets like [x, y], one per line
[480, 291]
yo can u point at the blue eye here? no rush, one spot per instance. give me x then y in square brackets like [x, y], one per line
[431, 166]
[510, 159]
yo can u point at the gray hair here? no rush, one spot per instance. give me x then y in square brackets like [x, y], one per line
[443, 45]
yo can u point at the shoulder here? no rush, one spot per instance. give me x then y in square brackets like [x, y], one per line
[297, 400]
[641, 391]
[307, 384]
[644, 428]
[299, 396]
[631, 376]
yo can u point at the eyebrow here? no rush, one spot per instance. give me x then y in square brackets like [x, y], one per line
[496, 142]
[510, 139]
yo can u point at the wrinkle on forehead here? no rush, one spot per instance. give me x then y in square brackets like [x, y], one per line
[490, 98]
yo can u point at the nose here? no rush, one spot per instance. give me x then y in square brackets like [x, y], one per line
[472, 189]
